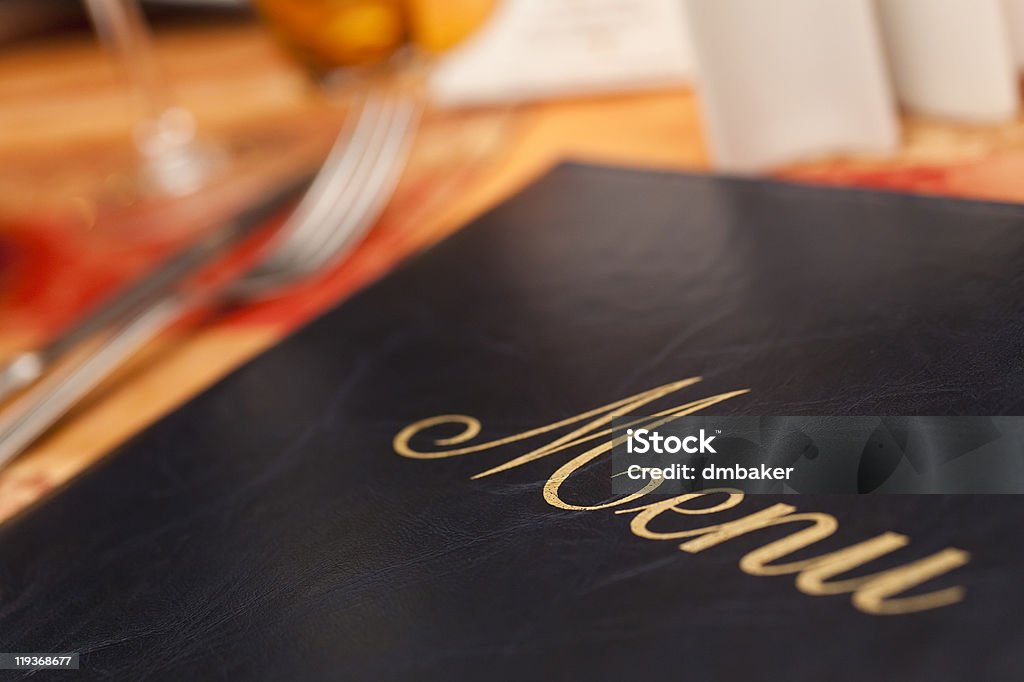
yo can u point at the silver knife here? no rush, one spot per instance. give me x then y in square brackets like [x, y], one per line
[27, 367]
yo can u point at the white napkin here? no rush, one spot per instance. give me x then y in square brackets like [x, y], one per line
[1015, 20]
[532, 49]
[952, 58]
[783, 79]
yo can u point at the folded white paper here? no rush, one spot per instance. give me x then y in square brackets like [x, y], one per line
[951, 58]
[1015, 21]
[785, 79]
[542, 48]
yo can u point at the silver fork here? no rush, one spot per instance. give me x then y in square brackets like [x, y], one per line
[343, 202]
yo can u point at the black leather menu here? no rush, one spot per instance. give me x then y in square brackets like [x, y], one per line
[412, 486]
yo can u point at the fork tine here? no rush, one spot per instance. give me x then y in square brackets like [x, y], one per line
[356, 211]
[339, 165]
[334, 219]
[378, 187]
[370, 164]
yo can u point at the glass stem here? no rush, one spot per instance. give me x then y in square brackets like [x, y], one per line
[165, 136]
[122, 29]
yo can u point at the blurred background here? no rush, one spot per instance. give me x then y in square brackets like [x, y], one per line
[130, 129]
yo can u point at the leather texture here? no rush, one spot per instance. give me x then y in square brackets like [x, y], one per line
[267, 530]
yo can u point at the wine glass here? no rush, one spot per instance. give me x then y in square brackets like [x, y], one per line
[173, 160]
[345, 44]
[328, 35]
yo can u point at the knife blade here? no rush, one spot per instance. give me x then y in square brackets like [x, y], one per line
[26, 367]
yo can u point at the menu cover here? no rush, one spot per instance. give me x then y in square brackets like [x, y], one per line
[413, 486]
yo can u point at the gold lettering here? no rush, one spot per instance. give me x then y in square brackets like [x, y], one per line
[875, 593]
[588, 432]
[639, 525]
[874, 596]
[815, 571]
[822, 526]
[871, 593]
[472, 426]
[551, 488]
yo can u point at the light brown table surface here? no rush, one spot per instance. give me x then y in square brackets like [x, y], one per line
[64, 119]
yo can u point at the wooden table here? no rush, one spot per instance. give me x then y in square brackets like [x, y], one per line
[63, 123]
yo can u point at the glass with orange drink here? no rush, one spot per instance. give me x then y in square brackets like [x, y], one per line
[328, 35]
